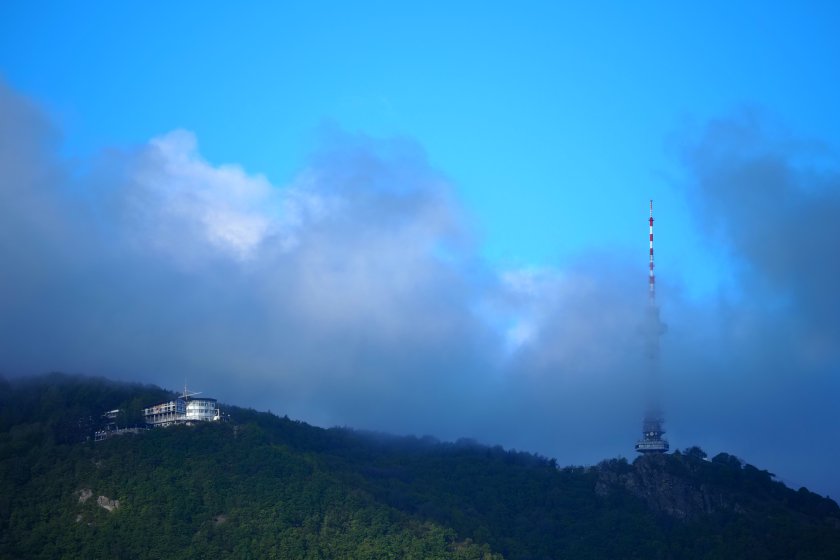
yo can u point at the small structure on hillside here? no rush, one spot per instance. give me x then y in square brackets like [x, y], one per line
[186, 409]
[111, 428]
[102, 435]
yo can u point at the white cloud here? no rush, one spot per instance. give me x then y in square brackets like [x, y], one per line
[181, 200]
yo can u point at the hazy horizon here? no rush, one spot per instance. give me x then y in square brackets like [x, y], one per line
[433, 221]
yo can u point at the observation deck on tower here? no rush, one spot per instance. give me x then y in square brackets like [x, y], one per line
[652, 440]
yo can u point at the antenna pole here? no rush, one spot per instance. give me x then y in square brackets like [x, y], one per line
[652, 440]
[652, 275]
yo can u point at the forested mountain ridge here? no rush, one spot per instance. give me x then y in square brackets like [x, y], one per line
[262, 486]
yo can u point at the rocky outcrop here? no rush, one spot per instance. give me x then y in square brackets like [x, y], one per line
[84, 495]
[102, 501]
[665, 489]
[107, 503]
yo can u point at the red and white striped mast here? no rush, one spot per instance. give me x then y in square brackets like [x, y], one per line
[652, 277]
[652, 432]
[654, 327]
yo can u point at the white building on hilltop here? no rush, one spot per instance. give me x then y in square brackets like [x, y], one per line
[186, 409]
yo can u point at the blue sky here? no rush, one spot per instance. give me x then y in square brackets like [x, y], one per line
[432, 218]
[554, 120]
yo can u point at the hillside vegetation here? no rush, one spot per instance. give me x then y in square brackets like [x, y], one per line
[262, 486]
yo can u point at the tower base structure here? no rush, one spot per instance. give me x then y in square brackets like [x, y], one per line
[652, 440]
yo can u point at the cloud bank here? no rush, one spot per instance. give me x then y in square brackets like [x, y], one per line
[356, 295]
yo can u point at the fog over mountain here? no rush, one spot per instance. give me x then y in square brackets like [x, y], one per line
[357, 295]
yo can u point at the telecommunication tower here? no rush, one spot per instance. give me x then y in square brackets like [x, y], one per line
[652, 432]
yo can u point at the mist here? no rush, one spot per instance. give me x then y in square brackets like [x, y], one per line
[357, 295]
